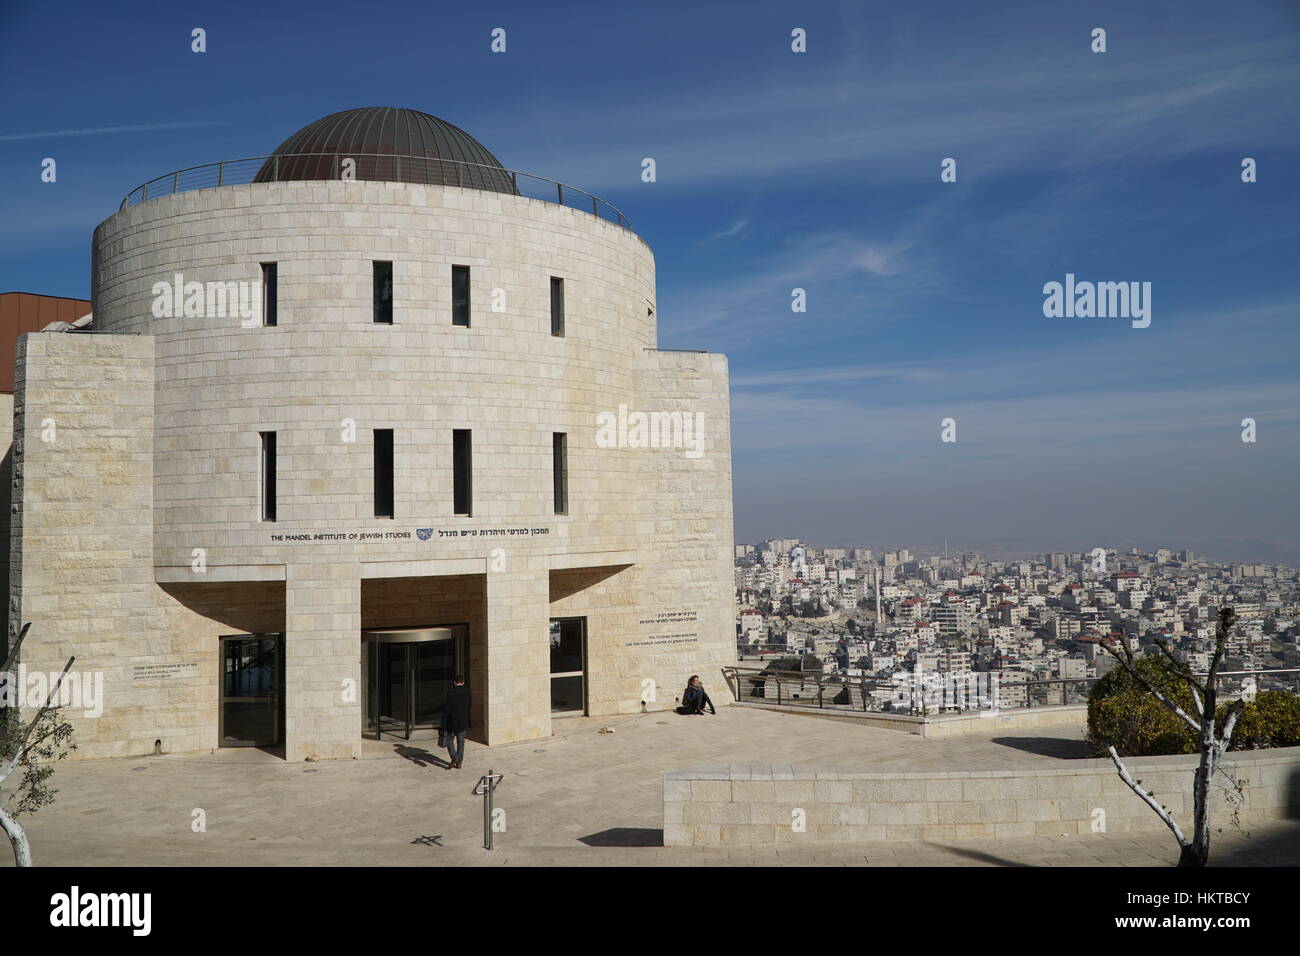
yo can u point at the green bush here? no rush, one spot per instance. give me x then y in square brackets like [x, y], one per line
[1272, 720]
[1124, 714]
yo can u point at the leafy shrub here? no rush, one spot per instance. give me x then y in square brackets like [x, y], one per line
[1124, 714]
[1271, 720]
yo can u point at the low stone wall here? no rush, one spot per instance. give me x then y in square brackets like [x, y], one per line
[744, 804]
[946, 725]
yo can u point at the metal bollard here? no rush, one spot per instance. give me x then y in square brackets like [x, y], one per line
[486, 786]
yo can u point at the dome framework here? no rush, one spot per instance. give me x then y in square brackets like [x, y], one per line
[378, 144]
[387, 144]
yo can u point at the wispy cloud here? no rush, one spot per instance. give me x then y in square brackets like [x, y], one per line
[1031, 114]
[836, 375]
[735, 229]
[806, 260]
[100, 130]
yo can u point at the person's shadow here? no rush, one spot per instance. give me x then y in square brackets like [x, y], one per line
[420, 757]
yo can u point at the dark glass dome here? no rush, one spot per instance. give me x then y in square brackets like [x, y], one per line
[389, 145]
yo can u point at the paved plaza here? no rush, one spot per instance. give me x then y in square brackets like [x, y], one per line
[579, 798]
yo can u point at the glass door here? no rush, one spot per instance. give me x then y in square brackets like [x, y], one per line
[569, 665]
[251, 706]
[433, 669]
[407, 674]
[395, 696]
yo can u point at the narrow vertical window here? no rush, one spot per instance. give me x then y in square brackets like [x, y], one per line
[384, 293]
[269, 293]
[383, 473]
[460, 295]
[557, 305]
[268, 476]
[560, 457]
[462, 471]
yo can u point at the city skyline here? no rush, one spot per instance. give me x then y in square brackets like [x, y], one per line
[956, 550]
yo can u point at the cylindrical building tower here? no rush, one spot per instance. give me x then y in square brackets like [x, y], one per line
[372, 385]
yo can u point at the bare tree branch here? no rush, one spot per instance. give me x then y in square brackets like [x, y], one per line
[14, 648]
[1130, 667]
[22, 741]
[1149, 800]
[1180, 665]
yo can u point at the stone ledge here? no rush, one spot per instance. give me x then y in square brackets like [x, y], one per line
[746, 804]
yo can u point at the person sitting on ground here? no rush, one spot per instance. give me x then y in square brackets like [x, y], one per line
[696, 698]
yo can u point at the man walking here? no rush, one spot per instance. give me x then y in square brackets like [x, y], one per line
[455, 720]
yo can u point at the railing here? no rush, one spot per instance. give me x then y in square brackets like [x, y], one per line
[1270, 678]
[824, 691]
[374, 167]
[939, 692]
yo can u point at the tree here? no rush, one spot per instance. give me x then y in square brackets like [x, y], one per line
[44, 738]
[1213, 736]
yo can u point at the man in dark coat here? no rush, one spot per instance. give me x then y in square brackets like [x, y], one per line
[455, 720]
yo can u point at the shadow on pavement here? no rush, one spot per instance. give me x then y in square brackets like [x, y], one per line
[420, 757]
[980, 855]
[1064, 748]
[625, 836]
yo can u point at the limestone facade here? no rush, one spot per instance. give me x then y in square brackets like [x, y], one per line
[137, 536]
[744, 805]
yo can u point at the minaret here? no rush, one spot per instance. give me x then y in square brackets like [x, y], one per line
[875, 575]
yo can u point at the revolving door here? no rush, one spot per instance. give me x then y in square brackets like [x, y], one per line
[407, 672]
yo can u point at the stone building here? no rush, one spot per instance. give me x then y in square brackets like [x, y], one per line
[354, 418]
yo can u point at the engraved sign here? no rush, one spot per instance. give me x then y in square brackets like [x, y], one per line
[164, 671]
[668, 619]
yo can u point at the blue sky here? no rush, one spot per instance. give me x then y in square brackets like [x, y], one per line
[819, 170]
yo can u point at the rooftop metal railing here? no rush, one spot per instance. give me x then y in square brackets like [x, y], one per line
[940, 692]
[374, 167]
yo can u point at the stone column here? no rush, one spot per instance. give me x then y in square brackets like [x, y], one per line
[518, 652]
[322, 679]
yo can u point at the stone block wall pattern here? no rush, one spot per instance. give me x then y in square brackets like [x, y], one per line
[81, 562]
[745, 805]
[170, 409]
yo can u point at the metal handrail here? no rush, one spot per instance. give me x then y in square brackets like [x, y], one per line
[734, 677]
[233, 172]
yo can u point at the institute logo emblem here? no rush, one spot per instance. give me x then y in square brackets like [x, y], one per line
[424, 534]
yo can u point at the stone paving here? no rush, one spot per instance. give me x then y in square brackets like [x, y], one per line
[578, 798]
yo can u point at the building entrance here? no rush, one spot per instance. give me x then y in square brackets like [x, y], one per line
[251, 710]
[568, 666]
[407, 672]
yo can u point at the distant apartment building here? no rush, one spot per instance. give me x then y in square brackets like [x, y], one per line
[951, 619]
[1125, 581]
[753, 626]
[1072, 667]
[1132, 598]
